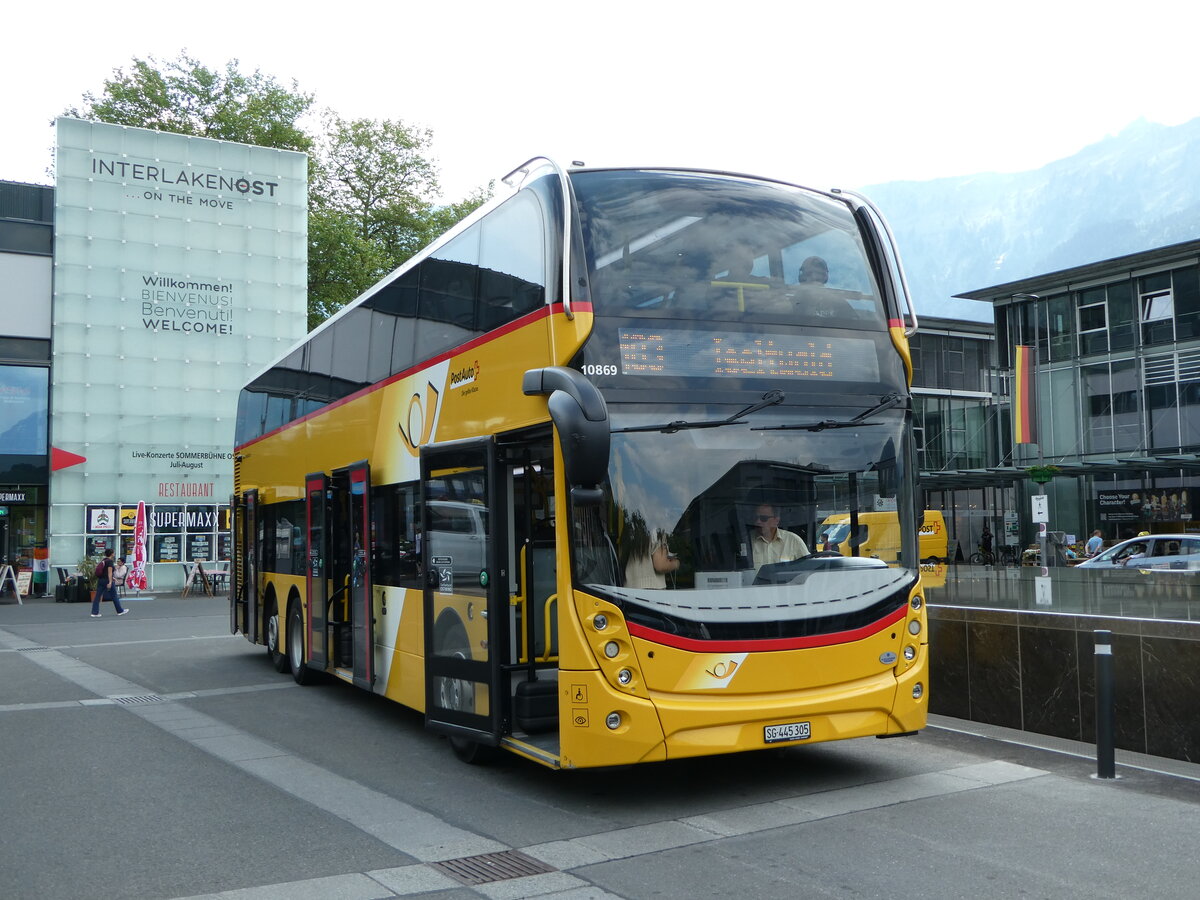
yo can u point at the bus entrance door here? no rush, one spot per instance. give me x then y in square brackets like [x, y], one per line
[244, 610]
[350, 607]
[316, 489]
[466, 592]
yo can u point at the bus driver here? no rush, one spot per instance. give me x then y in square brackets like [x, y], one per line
[771, 543]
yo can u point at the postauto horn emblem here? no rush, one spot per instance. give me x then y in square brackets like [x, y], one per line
[723, 669]
[417, 426]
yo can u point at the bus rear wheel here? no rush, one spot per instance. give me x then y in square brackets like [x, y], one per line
[275, 652]
[295, 646]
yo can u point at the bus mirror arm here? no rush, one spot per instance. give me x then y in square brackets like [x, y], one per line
[581, 417]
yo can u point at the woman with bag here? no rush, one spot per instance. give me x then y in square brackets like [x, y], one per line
[106, 586]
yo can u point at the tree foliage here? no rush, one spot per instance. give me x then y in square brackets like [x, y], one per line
[370, 202]
[186, 97]
[372, 182]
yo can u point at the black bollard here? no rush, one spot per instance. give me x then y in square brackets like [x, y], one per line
[1105, 707]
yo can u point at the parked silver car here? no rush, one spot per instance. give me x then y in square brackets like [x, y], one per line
[1151, 551]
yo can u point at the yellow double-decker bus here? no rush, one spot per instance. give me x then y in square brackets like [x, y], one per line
[557, 482]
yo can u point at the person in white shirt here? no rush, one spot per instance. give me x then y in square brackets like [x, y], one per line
[771, 543]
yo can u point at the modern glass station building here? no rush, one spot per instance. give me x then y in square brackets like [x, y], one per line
[1117, 380]
[137, 295]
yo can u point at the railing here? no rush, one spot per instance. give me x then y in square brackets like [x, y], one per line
[1127, 593]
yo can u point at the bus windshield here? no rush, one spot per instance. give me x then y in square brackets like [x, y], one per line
[716, 533]
[678, 242]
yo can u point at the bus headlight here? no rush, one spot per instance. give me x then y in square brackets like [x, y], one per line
[611, 649]
[624, 676]
[916, 601]
[918, 691]
[600, 621]
[914, 627]
[613, 720]
[910, 652]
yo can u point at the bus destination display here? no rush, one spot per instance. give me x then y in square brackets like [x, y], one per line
[695, 353]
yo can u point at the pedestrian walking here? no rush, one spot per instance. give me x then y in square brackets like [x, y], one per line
[106, 586]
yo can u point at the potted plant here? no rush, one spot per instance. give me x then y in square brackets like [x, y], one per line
[1042, 474]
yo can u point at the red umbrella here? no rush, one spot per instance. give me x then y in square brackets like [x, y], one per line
[136, 578]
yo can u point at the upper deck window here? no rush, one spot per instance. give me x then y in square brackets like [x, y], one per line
[685, 244]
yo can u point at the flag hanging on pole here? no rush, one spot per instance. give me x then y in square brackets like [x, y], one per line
[136, 578]
[1025, 397]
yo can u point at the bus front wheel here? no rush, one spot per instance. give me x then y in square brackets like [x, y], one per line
[459, 694]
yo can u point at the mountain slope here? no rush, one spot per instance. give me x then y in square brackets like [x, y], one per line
[1132, 192]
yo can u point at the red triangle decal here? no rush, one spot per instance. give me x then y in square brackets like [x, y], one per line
[64, 459]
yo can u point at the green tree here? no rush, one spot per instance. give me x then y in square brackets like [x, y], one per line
[372, 187]
[372, 183]
[186, 97]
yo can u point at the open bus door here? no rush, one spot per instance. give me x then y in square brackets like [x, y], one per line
[243, 600]
[466, 593]
[316, 490]
[351, 612]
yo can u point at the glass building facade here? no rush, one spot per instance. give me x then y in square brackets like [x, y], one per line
[1118, 383]
[960, 430]
[159, 275]
[26, 250]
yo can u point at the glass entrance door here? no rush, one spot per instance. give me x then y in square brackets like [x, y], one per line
[466, 594]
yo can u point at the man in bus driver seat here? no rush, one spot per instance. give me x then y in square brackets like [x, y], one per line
[814, 270]
[772, 544]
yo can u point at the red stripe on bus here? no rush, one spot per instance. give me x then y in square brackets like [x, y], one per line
[796, 643]
[895, 323]
[509, 328]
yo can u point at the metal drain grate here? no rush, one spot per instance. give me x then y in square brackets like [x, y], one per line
[489, 867]
[31, 649]
[144, 698]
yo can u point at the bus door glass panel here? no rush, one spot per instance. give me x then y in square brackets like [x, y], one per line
[361, 612]
[466, 590]
[317, 493]
[535, 569]
[251, 555]
[246, 593]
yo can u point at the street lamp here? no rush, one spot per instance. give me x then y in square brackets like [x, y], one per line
[1036, 412]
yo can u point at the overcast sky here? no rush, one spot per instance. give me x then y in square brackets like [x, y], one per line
[830, 94]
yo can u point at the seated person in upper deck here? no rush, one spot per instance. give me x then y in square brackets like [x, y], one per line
[772, 544]
[814, 270]
[812, 295]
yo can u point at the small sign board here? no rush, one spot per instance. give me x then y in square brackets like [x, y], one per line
[1041, 508]
[444, 566]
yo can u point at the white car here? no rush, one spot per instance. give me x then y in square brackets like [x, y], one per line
[458, 537]
[1173, 552]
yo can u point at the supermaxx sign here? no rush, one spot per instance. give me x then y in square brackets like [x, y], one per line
[176, 520]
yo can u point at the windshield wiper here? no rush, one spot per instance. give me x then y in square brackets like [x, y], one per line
[887, 402]
[770, 398]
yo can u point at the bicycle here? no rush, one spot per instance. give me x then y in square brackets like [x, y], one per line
[1006, 557]
[982, 557]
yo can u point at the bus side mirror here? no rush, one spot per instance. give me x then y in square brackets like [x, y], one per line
[581, 417]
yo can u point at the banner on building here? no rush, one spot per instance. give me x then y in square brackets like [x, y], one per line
[1154, 505]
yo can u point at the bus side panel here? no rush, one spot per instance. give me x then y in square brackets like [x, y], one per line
[400, 647]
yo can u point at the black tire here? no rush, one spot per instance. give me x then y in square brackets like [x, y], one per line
[457, 694]
[472, 752]
[976, 559]
[274, 635]
[295, 648]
